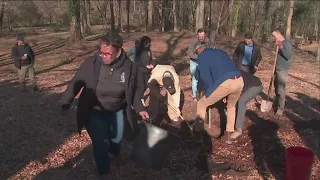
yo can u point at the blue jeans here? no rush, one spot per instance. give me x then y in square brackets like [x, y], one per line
[105, 130]
[194, 77]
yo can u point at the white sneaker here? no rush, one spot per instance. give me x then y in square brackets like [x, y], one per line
[236, 134]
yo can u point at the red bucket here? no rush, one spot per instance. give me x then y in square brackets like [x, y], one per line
[298, 163]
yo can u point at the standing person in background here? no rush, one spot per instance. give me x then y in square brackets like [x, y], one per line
[143, 59]
[247, 55]
[282, 68]
[201, 37]
[132, 51]
[110, 87]
[23, 57]
[252, 88]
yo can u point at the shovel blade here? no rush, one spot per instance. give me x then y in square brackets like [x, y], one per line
[265, 106]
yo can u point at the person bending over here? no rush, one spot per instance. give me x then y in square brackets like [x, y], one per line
[165, 76]
[220, 78]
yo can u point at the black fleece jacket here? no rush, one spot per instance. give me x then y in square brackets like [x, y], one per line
[86, 78]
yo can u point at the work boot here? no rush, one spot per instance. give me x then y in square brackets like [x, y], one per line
[228, 137]
[236, 133]
[213, 130]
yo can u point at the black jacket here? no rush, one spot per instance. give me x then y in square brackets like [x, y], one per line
[255, 58]
[18, 51]
[144, 59]
[87, 77]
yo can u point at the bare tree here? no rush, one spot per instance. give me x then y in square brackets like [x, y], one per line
[175, 14]
[235, 18]
[48, 9]
[10, 14]
[265, 29]
[150, 13]
[289, 21]
[128, 15]
[200, 14]
[102, 7]
[112, 16]
[119, 15]
[318, 56]
[1, 14]
[86, 19]
[74, 12]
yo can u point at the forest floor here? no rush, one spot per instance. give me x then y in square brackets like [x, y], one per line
[38, 143]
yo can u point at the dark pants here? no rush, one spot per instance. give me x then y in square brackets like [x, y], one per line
[241, 107]
[146, 77]
[245, 68]
[280, 81]
[105, 130]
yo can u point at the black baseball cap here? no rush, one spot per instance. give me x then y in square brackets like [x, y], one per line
[168, 83]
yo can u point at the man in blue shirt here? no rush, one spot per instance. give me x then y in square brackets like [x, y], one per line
[219, 78]
[247, 55]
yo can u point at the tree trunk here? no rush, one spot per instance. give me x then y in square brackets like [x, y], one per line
[87, 25]
[318, 56]
[316, 24]
[175, 18]
[74, 14]
[82, 17]
[163, 7]
[112, 16]
[128, 15]
[1, 16]
[265, 29]
[289, 21]
[200, 14]
[119, 16]
[230, 23]
[150, 13]
[235, 18]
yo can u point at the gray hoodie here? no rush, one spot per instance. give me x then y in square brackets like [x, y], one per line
[192, 51]
[284, 56]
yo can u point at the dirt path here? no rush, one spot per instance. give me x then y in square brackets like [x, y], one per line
[37, 143]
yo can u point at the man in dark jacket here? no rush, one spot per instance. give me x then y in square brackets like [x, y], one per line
[23, 58]
[219, 78]
[282, 67]
[110, 87]
[247, 55]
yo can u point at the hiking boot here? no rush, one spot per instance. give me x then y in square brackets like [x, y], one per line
[279, 112]
[228, 137]
[236, 133]
[213, 131]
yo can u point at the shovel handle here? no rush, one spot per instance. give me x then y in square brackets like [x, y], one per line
[273, 71]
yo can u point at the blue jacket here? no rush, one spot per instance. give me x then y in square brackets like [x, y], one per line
[215, 66]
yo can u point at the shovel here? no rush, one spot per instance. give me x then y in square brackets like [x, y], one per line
[266, 105]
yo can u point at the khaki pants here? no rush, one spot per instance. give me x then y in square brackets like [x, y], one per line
[174, 104]
[231, 89]
[22, 76]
